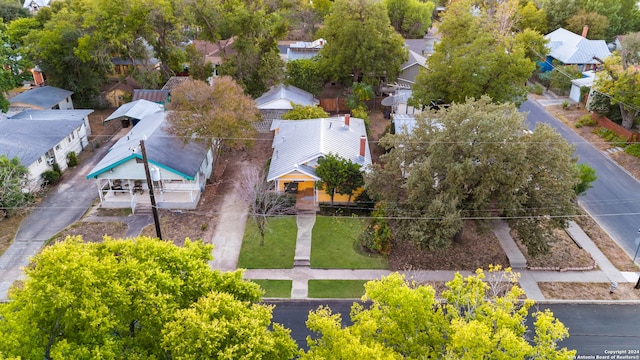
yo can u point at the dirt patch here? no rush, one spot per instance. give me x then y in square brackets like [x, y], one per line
[588, 291]
[378, 127]
[10, 227]
[93, 231]
[563, 254]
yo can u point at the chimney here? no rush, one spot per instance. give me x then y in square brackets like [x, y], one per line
[347, 120]
[585, 30]
[363, 145]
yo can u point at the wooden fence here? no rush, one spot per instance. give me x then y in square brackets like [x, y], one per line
[603, 121]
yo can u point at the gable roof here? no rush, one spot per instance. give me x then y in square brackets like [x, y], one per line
[298, 142]
[30, 139]
[304, 50]
[157, 96]
[174, 81]
[44, 97]
[135, 110]
[280, 97]
[572, 48]
[163, 149]
[414, 58]
[30, 114]
[36, 3]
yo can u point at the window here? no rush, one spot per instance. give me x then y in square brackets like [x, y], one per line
[40, 160]
[58, 147]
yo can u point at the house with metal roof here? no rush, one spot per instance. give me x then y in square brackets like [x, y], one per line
[43, 98]
[573, 49]
[41, 143]
[157, 96]
[410, 69]
[131, 113]
[299, 144]
[76, 114]
[304, 49]
[280, 98]
[178, 170]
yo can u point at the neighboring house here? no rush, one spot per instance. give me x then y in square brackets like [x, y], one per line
[43, 98]
[299, 144]
[41, 143]
[410, 69]
[304, 50]
[279, 99]
[572, 49]
[120, 92]
[131, 113]
[179, 170]
[215, 54]
[34, 5]
[157, 96]
[174, 82]
[404, 123]
[587, 81]
[80, 114]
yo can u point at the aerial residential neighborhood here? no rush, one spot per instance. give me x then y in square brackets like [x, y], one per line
[348, 179]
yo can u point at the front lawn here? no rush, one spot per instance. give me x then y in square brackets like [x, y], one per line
[336, 289]
[334, 245]
[279, 245]
[275, 288]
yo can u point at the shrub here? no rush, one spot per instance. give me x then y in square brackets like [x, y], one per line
[633, 149]
[586, 120]
[536, 89]
[50, 177]
[72, 158]
[611, 137]
[56, 168]
[565, 104]
[377, 236]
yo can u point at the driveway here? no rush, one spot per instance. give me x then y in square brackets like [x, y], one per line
[63, 206]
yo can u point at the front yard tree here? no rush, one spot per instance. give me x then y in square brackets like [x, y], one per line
[300, 112]
[621, 83]
[410, 18]
[361, 43]
[470, 161]
[479, 55]
[14, 186]
[405, 321]
[338, 175]
[128, 299]
[221, 111]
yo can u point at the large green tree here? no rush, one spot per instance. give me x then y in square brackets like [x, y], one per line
[558, 11]
[14, 67]
[305, 74]
[468, 162]
[338, 175]
[479, 55]
[11, 10]
[478, 319]
[620, 82]
[139, 298]
[300, 112]
[410, 18]
[597, 24]
[15, 190]
[361, 43]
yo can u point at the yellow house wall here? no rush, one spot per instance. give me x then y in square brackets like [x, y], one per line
[324, 197]
[304, 181]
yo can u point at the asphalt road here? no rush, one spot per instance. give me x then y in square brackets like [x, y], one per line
[614, 200]
[595, 329]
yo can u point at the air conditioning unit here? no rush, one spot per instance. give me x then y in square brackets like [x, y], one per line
[51, 161]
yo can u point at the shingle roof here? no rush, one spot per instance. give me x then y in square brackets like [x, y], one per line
[572, 48]
[157, 96]
[300, 141]
[135, 110]
[30, 139]
[42, 97]
[30, 114]
[280, 97]
[414, 58]
[163, 149]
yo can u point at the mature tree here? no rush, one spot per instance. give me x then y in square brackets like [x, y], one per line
[469, 161]
[587, 177]
[622, 15]
[19, 28]
[353, 180]
[410, 18]
[221, 111]
[124, 299]
[14, 68]
[11, 10]
[621, 83]
[558, 11]
[304, 74]
[337, 175]
[356, 101]
[479, 55]
[561, 75]
[361, 43]
[531, 17]
[300, 112]
[405, 321]
[14, 186]
[597, 24]
[263, 202]
[199, 69]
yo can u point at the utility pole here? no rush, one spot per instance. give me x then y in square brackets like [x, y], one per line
[154, 208]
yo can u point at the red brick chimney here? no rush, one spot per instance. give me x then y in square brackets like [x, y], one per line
[363, 145]
[347, 120]
[585, 30]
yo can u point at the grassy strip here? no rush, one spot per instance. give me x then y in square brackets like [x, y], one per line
[275, 288]
[334, 245]
[336, 289]
[279, 245]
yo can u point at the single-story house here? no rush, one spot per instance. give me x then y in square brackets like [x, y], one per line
[131, 113]
[572, 49]
[41, 143]
[81, 114]
[410, 69]
[43, 98]
[157, 96]
[178, 170]
[299, 144]
[120, 91]
[587, 81]
[304, 49]
[279, 99]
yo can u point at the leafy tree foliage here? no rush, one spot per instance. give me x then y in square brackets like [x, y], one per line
[405, 321]
[561, 76]
[531, 17]
[13, 68]
[587, 177]
[410, 18]
[129, 299]
[338, 175]
[468, 161]
[300, 112]
[222, 111]
[305, 74]
[558, 11]
[361, 43]
[622, 15]
[598, 24]
[621, 83]
[479, 55]
[14, 186]
[11, 10]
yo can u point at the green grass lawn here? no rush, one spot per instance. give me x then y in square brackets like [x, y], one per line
[334, 245]
[336, 289]
[279, 245]
[275, 288]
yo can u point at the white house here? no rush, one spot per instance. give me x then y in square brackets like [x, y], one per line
[78, 114]
[43, 98]
[280, 98]
[41, 143]
[410, 69]
[34, 5]
[573, 49]
[178, 170]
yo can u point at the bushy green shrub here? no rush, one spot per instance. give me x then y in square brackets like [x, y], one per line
[72, 159]
[633, 149]
[565, 104]
[611, 137]
[586, 120]
[377, 236]
[50, 177]
[536, 89]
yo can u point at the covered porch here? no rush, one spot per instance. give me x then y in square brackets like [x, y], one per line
[131, 193]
